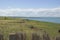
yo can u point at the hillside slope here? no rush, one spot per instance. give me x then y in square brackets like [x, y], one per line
[13, 25]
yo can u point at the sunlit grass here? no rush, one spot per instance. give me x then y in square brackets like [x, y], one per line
[13, 25]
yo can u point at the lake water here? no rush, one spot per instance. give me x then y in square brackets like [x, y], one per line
[46, 19]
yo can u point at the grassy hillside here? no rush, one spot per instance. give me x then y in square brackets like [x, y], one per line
[13, 25]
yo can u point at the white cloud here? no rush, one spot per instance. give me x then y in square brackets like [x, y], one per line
[41, 12]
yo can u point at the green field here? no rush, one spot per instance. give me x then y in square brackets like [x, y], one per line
[13, 25]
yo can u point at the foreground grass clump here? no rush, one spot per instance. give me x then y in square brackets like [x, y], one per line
[13, 25]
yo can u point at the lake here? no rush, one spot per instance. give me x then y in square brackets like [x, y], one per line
[46, 19]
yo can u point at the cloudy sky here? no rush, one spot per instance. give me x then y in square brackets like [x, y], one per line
[30, 8]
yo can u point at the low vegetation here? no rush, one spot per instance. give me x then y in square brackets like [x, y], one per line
[13, 25]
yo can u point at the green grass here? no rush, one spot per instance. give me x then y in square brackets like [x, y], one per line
[13, 25]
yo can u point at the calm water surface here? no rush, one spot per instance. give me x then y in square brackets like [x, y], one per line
[46, 19]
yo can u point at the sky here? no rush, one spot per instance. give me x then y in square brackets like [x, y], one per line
[30, 8]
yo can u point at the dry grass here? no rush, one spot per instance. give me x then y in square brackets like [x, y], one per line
[13, 25]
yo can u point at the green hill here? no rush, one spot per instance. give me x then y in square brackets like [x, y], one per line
[13, 25]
